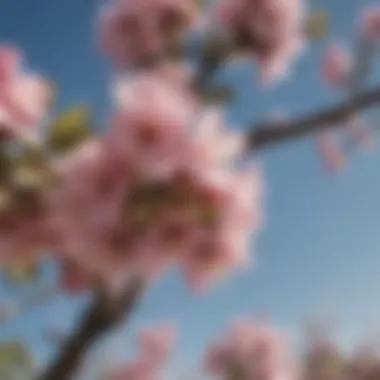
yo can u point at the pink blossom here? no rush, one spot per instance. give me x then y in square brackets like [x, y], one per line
[26, 231]
[131, 31]
[234, 200]
[22, 239]
[85, 207]
[10, 64]
[24, 97]
[153, 121]
[364, 363]
[156, 343]
[369, 24]
[331, 153]
[251, 350]
[74, 279]
[323, 361]
[214, 140]
[360, 131]
[336, 65]
[160, 188]
[270, 30]
[139, 369]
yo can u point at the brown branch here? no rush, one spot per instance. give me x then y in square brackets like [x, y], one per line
[265, 134]
[104, 314]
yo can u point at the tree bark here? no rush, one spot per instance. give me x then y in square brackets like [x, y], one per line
[104, 314]
[267, 134]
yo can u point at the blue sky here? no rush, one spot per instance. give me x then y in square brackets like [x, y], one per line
[320, 249]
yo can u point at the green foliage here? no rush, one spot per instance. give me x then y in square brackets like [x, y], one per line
[30, 156]
[69, 129]
[16, 361]
[16, 274]
[317, 26]
[218, 94]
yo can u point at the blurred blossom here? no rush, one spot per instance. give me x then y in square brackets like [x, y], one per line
[74, 278]
[332, 155]
[369, 23]
[336, 65]
[156, 343]
[10, 63]
[364, 363]
[131, 31]
[24, 97]
[159, 188]
[136, 370]
[323, 361]
[155, 346]
[360, 131]
[271, 30]
[250, 350]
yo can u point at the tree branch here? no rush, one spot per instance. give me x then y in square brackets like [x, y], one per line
[265, 134]
[104, 314]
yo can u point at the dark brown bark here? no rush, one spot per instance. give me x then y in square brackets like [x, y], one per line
[266, 134]
[104, 314]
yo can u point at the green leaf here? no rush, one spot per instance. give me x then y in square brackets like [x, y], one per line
[317, 26]
[30, 156]
[70, 128]
[15, 357]
[218, 94]
[21, 273]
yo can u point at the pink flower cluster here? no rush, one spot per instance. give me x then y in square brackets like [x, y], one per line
[24, 102]
[336, 65]
[155, 346]
[271, 30]
[255, 350]
[370, 23]
[133, 30]
[325, 360]
[159, 188]
[337, 70]
[24, 97]
[322, 360]
[250, 350]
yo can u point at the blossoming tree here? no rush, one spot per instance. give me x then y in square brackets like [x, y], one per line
[167, 183]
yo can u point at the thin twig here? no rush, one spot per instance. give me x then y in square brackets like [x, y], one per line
[266, 134]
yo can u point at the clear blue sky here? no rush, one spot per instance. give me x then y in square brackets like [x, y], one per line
[320, 249]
